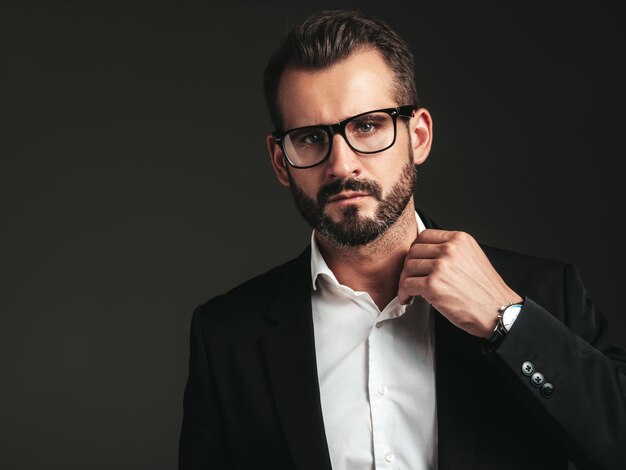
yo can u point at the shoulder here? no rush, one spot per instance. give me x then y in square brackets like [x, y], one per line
[512, 260]
[546, 281]
[510, 263]
[258, 289]
[249, 301]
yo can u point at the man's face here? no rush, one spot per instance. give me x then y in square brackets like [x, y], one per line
[351, 198]
[353, 228]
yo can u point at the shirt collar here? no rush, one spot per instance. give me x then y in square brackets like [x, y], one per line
[319, 266]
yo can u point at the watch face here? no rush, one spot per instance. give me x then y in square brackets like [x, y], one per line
[509, 316]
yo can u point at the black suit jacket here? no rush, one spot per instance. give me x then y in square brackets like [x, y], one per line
[252, 397]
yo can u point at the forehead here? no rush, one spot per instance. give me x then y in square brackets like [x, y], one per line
[362, 82]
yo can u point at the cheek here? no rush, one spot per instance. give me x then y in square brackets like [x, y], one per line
[386, 170]
[307, 182]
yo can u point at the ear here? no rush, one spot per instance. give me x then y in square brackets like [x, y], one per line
[278, 160]
[421, 133]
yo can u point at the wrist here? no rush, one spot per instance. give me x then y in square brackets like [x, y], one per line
[507, 314]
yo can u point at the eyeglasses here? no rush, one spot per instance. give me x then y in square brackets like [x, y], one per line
[366, 133]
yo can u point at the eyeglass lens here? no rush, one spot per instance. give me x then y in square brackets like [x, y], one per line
[369, 133]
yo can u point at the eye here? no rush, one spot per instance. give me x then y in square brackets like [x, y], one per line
[366, 127]
[308, 137]
[313, 138]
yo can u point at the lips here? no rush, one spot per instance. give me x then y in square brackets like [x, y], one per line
[346, 195]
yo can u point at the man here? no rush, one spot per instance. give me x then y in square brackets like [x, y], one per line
[389, 342]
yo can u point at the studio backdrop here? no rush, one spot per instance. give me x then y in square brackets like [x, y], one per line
[135, 184]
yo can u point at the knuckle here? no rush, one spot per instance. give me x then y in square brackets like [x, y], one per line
[465, 237]
[435, 283]
[448, 249]
[460, 236]
[431, 282]
[440, 264]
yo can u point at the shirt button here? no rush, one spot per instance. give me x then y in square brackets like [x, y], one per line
[390, 456]
[382, 389]
[379, 324]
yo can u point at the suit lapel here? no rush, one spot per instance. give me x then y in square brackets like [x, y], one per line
[289, 353]
[457, 357]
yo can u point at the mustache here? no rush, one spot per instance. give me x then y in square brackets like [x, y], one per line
[370, 187]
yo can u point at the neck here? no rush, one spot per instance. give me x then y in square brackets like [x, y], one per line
[374, 268]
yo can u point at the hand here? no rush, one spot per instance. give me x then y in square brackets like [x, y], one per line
[451, 271]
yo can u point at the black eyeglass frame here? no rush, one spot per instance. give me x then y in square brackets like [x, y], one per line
[340, 128]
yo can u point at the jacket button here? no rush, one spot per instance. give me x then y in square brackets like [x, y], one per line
[537, 379]
[547, 390]
[528, 368]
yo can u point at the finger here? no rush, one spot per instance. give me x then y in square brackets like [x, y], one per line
[404, 298]
[424, 251]
[410, 287]
[431, 235]
[418, 267]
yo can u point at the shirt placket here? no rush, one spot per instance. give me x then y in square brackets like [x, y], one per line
[384, 454]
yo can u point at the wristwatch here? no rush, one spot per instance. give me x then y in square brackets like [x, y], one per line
[506, 318]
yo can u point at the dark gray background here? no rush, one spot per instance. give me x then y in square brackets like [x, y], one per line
[134, 185]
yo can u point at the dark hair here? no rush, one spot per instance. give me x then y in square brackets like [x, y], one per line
[325, 38]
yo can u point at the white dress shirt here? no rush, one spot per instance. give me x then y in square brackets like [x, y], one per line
[376, 373]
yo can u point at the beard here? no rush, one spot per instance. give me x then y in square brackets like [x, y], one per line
[354, 229]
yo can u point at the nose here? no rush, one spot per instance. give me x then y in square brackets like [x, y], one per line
[343, 162]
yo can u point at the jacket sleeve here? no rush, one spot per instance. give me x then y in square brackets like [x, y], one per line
[586, 407]
[202, 440]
